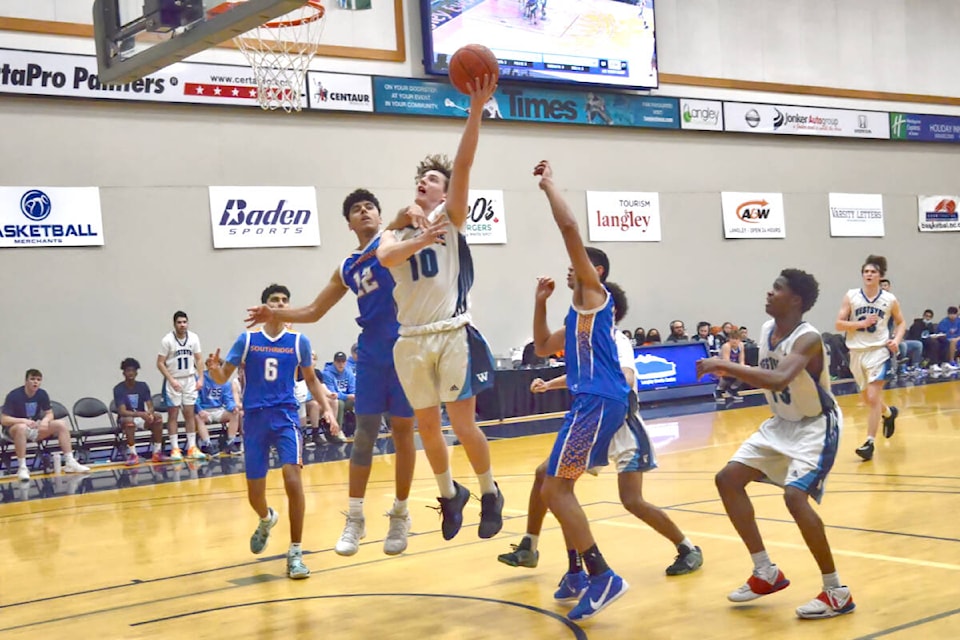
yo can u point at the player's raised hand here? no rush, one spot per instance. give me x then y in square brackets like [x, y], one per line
[538, 386]
[480, 91]
[545, 287]
[258, 315]
[213, 362]
[418, 219]
[435, 233]
[544, 171]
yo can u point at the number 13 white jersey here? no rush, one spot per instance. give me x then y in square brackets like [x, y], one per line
[433, 285]
[179, 354]
[804, 397]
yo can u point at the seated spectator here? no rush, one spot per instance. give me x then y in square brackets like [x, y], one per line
[342, 381]
[678, 333]
[653, 337]
[629, 336]
[219, 404]
[704, 336]
[352, 360]
[530, 357]
[908, 350]
[950, 328]
[134, 405]
[725, 330]
[311, 406]
[733, 351]
[925, 330]
[745, 338]
[639, 336]
[26, 415]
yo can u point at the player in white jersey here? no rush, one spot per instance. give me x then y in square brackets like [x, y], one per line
[795, 449]
[439, 356]
[180, 361]
[864, 316]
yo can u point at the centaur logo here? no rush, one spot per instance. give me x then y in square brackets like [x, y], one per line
[754, 211]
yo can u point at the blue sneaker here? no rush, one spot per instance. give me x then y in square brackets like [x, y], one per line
[604, 589]
[258, 541]
[572, 586]
[452, 511]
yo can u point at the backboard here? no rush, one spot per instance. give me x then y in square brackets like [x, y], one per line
[137, 37]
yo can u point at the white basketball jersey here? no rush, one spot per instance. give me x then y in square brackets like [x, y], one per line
[804, 397]
[625, 354]
[179, 354]
[433, 285]
[860, 308]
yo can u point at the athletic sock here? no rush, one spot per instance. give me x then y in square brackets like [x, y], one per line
[445, 484]
[886, 411]
[831, 580]
[191, 440]
[155, 447]
[530, 542]
[174, 442]
[760, 560]
[594, 561]
[295, 548]
[870, 438]
[685, 544]
[356, 507]
[267, 519]
[487, 485]
[399, 506]
[575, 564]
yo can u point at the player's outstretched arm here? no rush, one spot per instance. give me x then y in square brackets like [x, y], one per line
[807, 347]
[410, 216]
[393, 252]
[220, 374]
[330, 295]
[545, 342]
[593, 291]
[480, 91]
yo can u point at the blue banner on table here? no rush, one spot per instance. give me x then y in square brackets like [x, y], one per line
[529, 104]
[925, 128]
[669, 365]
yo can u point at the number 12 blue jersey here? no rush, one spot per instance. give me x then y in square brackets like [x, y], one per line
[270, 365]
[373, 284]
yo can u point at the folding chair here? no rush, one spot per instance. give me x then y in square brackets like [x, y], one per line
[91, 438]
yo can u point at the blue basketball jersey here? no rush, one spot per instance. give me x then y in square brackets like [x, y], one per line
[593, 365]
[373, 284]
[270, 366]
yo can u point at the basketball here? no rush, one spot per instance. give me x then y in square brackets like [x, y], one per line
[471, 62]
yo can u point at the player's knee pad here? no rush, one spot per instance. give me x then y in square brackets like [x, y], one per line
[368, 428]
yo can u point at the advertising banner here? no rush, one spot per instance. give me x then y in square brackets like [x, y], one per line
[669, 365]
[411, 96]
[486, 222]
[911, 126]
[856, 215]
[618, 216]
[938, 213]
[339, 92]
[702, 115]
[50, 217]
[264, 217]
[804, 121]
[753, 215]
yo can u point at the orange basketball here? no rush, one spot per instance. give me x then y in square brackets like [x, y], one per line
[471, 62]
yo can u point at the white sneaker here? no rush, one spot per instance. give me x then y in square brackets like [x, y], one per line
[396, 541]
[353, 531]
[72, 466]
[834, 601]
[935, 368]
[23, 472]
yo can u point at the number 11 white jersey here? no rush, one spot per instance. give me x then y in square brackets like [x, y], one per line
[179, 354]
[433, 285]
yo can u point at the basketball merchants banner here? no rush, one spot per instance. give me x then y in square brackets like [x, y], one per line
[243, 217]
[856, 215]
[939, 213]
[753, 215]
[486, 221]
[623, 216]
[50, 217]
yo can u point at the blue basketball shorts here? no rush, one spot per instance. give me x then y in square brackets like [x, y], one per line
[379, 391]
[277, 426]
[584, 439]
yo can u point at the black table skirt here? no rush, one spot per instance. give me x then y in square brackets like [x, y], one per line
[511, 397]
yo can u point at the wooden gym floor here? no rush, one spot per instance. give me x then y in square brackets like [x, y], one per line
[172, 560]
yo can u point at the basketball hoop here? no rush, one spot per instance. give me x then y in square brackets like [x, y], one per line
[280, 53]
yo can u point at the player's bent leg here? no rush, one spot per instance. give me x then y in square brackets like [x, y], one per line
[526, 554]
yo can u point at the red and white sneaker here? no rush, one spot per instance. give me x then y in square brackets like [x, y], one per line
[833, 601]
[757, 586]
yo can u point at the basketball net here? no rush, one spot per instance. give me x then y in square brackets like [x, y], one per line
[280, 53]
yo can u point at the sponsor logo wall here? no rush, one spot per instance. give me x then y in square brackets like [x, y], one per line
[911, 126]
[804, 121]
[701, 115]
[753, 215]
[486, 222]
[339, 92]
[938, 213]
[50, 216]
[623, 216]
[264, 217]
[856, 215]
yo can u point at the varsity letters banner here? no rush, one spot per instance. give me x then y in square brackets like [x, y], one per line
[623, 216]
[753, 215]
[856, 215]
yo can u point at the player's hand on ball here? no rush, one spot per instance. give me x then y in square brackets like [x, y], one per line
[480, 90]
[259, 315]
[538, 386]
[545, 287]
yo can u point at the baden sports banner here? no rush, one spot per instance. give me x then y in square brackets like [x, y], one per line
[486, 222]
[531, 104]
[804, 121]
[615, 216]
[753, 215]
[264, 217]
[939, 213]
[911, 126]
[856, 215]
[50, 217]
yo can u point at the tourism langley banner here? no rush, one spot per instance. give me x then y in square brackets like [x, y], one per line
[804, 121]
[753, 215]
[856, 215]
[939, 213]
[623, 216]
[412, 96]
[924, 128]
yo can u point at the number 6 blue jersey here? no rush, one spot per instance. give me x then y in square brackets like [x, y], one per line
[270, 365]
[373, 284]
